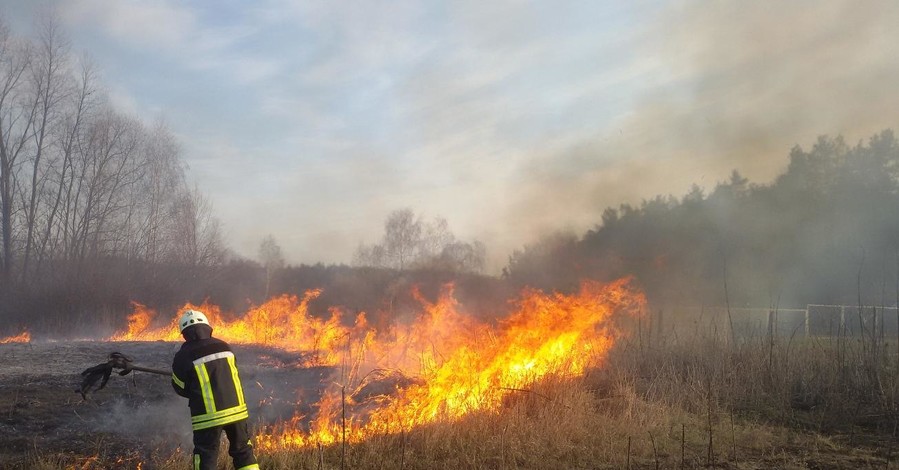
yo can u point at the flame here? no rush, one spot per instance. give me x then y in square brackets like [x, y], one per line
[23, 337]
[283, 322]
[453, 364]
[139, 327]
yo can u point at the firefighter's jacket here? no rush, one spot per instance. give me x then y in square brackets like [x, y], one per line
[205, 373]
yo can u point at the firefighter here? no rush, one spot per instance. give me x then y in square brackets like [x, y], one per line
[205, 373]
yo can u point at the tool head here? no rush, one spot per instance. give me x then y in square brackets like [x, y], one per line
[101, 372]
[95, 378]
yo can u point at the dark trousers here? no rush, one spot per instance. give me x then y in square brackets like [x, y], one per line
[206, 447]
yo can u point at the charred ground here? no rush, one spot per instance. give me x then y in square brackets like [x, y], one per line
[134, 419]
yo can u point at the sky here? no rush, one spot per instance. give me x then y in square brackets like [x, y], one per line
[311, 121]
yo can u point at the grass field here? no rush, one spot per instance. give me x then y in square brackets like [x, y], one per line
[699, 403]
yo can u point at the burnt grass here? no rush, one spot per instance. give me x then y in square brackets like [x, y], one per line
[135, 418]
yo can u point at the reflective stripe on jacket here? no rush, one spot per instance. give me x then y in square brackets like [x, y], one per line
[204, 371]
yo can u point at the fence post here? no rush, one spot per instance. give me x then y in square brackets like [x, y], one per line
[806, 321]
[842, 320]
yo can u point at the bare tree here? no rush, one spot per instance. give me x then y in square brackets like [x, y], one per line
[15, 126]
[109, 163]
[197, 235]
[156, 195]
[49, 86]
[369, 255]
[84, 187]
[436, 235]
[402, 237]
[75, 116]
[410, 242]
[272, 259]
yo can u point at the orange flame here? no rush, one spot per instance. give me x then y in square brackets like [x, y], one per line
[139, 327]
[457, 364]
[282, 322]
[23, 337]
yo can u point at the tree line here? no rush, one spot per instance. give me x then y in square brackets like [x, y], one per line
[826, 230]
[80, 180]
[96, 208]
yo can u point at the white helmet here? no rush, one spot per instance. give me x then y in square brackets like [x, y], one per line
[191, 317]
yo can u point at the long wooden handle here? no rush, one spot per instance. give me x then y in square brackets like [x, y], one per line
[152, 371]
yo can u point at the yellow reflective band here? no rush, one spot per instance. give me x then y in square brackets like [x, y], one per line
[178, 382]
[206, 388]
[236, 379]
[213, 357]
[209, 421]
[220, 422]
[230, 412]
[196, 461]
[218, 414]
[253, 466]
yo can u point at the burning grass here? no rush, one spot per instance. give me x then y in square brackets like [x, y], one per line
[455, 365]
[283, 322]
[23, 337]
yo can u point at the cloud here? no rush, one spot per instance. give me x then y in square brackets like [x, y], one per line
[243, 69]
[455, 97]
[151, 23]
[122, 100]
[171, 29]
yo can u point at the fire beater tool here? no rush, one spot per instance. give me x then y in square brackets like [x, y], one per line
[101, 372]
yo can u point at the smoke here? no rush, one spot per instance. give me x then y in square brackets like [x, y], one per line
[762, 76]
[159, 423]
[144, 409]
[726, 85]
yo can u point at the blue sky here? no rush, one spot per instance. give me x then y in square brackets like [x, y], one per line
[312, 120]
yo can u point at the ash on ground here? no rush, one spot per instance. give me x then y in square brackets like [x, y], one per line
[134, 416]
